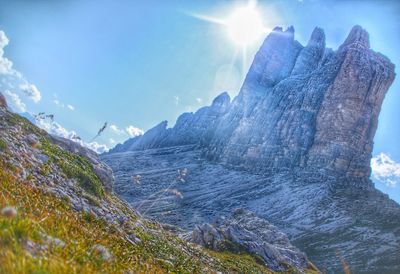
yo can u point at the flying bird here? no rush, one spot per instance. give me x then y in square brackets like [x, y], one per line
[100, 131]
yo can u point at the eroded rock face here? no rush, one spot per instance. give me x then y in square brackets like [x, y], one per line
[190, 128]
[299, 107]
[323, 113]
[294, 146]
[244, 230]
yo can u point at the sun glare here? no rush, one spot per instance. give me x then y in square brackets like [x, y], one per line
[245, 25]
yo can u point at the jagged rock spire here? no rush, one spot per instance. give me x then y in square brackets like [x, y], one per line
[221, 101]
[311, 55]
[275, 59]
[304, 107]
[358, 37]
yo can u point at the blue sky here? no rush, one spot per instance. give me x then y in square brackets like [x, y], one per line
[135, 63]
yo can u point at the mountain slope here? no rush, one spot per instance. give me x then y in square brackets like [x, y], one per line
[294, 146]
[59, 215]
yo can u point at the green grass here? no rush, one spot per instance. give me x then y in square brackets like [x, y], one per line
[41, 213]
[3, 145]
[74, 166]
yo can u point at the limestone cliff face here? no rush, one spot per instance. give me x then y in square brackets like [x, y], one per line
[348, 116]
[299, 107]
[294, 146]
[311, 108]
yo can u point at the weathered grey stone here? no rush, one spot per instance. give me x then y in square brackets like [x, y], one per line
[103, 171]
[298, 107]
[294, 146]
[244, 230]
[102, 252]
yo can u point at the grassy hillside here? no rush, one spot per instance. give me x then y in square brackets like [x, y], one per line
[42, 230]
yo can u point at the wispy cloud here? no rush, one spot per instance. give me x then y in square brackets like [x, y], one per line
[130, 130]
[13, 79]
[385, 170]
[117, 130]
[15, 101]
[58, 103]
[31, 91]
[5, 64]
[176, 100]
[199, 100]
[134, 131]
[62, 105]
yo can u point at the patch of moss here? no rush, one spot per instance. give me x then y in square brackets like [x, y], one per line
[3, 145]
[74, 166]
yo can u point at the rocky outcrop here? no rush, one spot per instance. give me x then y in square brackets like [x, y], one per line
[245, 231]
[102, 170]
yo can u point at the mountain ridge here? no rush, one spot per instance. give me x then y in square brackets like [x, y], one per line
[294, 146]
[284, 96]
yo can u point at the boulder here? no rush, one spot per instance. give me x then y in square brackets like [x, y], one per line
[245, 231]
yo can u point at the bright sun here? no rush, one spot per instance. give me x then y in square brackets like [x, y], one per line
[245, 25]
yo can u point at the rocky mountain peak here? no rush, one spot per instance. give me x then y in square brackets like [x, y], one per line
[311, 56]
[275, 59]
[221, 101]
[299, 107]
[317, 38]
[358, 37]
[294, 146]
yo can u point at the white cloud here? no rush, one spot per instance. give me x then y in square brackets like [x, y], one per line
[62, 105]
[99, 148]
[15, 101]
[112, 141]
[134, 131]
[58, 103]
[385, 170]
[199, 100]
[56, 129]
[31, 91]
[5, 64]
[117, 130]
[176, 100]
[13, 79]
